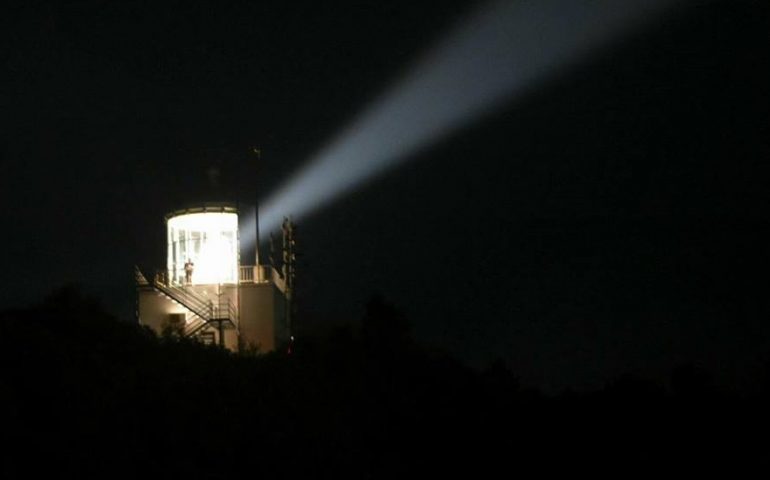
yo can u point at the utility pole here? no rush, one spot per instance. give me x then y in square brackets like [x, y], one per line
[271, 253]
[289, 267]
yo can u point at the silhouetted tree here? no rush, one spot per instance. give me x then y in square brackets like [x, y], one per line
[385, 328]
[87, 392]
[692, 381]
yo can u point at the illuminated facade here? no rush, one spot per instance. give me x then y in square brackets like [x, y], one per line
[206, 293]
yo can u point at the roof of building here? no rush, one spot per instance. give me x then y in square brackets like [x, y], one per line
[223, 207]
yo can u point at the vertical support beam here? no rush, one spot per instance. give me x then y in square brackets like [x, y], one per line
[258, 276]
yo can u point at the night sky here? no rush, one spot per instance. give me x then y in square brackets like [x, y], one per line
[613, 219]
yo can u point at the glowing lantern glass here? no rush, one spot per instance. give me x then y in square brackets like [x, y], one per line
[210, 241]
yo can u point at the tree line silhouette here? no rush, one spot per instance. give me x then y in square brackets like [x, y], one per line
[86, 394]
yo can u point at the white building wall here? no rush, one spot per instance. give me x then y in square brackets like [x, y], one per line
[155, 308]
[260, 306]
[262, 316]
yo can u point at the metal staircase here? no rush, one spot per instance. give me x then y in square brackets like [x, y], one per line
[205, 312]
[195, 325]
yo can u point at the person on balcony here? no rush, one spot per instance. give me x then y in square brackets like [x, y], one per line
[188, 271]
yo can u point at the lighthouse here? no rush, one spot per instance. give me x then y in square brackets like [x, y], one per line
[205, 293]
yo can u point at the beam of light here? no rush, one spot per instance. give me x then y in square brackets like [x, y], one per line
[502, 50]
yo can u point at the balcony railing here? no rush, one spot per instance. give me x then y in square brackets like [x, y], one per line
[255, 274]
[247, 274]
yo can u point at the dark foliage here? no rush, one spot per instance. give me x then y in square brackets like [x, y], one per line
[86, 395]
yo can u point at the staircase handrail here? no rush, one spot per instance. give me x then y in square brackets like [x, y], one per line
[194, 304]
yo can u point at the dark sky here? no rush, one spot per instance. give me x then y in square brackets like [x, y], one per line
[614, 219]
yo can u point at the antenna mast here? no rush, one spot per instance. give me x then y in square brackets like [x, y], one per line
[258, 153]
